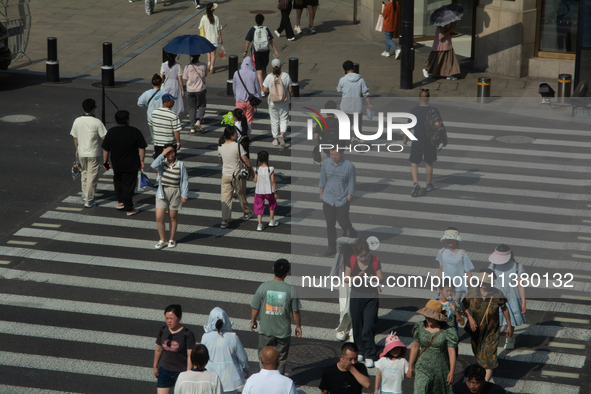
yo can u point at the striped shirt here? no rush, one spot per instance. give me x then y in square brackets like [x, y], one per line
[164, 122]
[172, 175]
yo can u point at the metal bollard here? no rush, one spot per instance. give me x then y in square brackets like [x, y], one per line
[232, 68]
[483, 91]
[356, 68]
[293, 74]
[108, 71]
[52, 65]
[564, 88]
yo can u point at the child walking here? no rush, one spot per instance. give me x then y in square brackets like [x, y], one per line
[452, 308]
[266, 189]
[392, 366]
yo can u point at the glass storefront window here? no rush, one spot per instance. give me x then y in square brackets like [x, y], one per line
[558, 26]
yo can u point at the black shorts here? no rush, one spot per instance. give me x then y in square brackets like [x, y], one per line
[311, 3]
[261, 60]
[301, 7]
[420, 152]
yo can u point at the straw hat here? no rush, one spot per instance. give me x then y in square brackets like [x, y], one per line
[499, 258]
[433, 310]
[451, 234]
[392, 342]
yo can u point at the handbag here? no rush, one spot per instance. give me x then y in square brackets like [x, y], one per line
[253, 100]
[380, 24]
[144, 181]
[202, 30]
[283, 5]
[76, 169]
[316, 154]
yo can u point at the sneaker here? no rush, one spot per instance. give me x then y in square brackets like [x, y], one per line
[329, 253]
[397, 54]
[224, 225]
[198, 128]
[282, 142]
[351, 339]
[247, 217]
[132, 212]
[342, 335]
[160, 245]
[415, 190]
[452, 78]
[312, 30]
[262, 94]
[277, 33]
[429, 187]
[360, 358]
[273, 223]
[90, 204]
[369, 363]
[291, 39]
[171, 244]
[198, 6]
[425, 73]
[192, 131]
[386, 54]
[120, 206]
[510, 343]
[260, 227]
[297, 30]
[275, 142]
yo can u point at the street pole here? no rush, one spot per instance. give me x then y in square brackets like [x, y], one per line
[406, 43]
[354, 12]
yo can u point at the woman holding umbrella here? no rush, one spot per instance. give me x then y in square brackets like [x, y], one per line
[210, 24]
[442, 59]
[172, 74]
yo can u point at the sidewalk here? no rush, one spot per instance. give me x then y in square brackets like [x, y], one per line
[82, 26]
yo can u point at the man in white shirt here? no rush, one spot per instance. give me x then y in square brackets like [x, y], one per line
[269, 380]
[88, 133]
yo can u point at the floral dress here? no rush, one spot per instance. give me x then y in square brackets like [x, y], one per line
[485, 339]
[433, 366]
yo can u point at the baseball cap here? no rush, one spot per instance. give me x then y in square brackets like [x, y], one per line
[168, 97]
[276, 63]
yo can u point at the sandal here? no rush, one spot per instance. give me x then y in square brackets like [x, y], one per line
[224, 224]
[160, 245]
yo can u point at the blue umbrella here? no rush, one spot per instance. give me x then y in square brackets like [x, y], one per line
[189, 45]
[447, 14]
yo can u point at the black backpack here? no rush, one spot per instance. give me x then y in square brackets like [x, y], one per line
[434, 130]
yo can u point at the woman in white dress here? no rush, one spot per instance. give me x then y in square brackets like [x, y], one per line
[213, 32]
[171, 73]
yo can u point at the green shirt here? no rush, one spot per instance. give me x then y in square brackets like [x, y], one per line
[276, 300]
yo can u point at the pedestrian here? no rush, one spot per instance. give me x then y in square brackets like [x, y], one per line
[152, 99]
[245, 83]
[212, 27]
[452, 308]
[234, 159]
[454, 263]
[286, 23]
[262, 40]
[269, 380]
[421, 149]
[481, 306]
[311, 6]
[244, 129]
[364, 300]
[278, 86]
[173, 192]
[434, 366]
[353, 88]
[166, 125]
[195, 74]
[474, 383]
[278, 301]
[266, 189]
[342, 259]
[299, 6]
[330, 134]
[198, 380]
[337, 186]
[227, 357]
[390, 15]
[88, 133]
[174, 345]
[502, 262]
[171, 73]
[442, 61]
[347, 376]
[392, 366]
[127, 147]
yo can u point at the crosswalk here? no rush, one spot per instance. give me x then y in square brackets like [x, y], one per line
[83, 290]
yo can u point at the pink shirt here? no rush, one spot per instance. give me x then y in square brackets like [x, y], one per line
[442, 43]
[195, 75]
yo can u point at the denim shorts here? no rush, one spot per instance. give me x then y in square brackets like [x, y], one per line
[167, 378]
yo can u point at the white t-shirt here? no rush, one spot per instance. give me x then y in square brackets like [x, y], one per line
[264, 185]
[211, 30]
[455, 265]
[193, 382]
[89, 131]
[230, 158]
[269, 382]
[286, 84]
[393, 372]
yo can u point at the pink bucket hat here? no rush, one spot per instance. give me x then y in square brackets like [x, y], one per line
[498, 257]
[392, 342]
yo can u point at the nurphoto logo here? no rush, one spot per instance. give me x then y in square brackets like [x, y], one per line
[344, 131]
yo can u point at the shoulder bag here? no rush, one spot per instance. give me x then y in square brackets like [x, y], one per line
[253, 100]
[427, 347]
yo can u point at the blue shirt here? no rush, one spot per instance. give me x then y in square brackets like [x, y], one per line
[338, 181]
